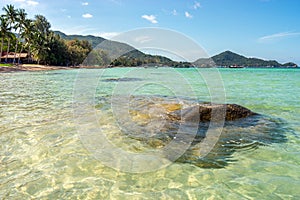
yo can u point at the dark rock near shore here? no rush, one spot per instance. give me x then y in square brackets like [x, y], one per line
[215, 112]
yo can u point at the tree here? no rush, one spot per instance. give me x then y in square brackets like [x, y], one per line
[78, 51]
[4, 31]
[9, 37]
[22, 26]
[28, 35]
[20, 19]
[57, 51]
[10, 15]
[41, 36]
[35, 37]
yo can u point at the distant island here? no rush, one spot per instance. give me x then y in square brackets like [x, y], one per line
[233, 60]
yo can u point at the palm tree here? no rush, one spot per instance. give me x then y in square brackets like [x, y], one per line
[16, 27]
[10, 15]
[6, 34]
[27, 34]
[2, 39]
[41, 37]
[4, 31]
[9, 36]
[20, 25]
[42, 24]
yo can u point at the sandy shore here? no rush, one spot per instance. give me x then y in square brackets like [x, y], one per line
[30, 67]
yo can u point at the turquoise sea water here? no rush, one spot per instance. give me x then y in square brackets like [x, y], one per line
[42, 155]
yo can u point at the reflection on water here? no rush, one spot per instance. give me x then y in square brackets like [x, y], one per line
[42, 157]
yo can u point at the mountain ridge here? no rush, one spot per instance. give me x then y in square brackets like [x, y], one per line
[223, 59]
[122, 54]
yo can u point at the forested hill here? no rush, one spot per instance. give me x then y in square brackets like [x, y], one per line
[135, 57]
[120, 54]
[93, 40]
[228, 59]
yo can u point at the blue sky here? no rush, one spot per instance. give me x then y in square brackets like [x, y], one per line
[268, 29]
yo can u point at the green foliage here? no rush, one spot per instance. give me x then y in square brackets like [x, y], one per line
[41, 40]
[56, 53]
[5, 65]
[112, 53]
[77, 51]
[35, 37]
[290, 64]
[93, 40]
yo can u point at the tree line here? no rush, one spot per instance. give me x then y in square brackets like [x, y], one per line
[20, 34]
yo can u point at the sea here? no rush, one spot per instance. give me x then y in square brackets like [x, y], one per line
[62, 138]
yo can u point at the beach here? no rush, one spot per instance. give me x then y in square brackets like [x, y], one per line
[30, 67]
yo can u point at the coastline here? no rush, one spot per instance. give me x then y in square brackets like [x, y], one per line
[30, 67]
[36, 67]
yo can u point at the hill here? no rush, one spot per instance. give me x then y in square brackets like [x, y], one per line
[94, 40]
[120, 54]
[229, 59]
[134, 57]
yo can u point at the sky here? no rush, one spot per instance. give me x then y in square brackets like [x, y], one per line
[268, 29]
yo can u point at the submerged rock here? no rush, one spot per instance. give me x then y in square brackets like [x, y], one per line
[158, 121]
[121, 79]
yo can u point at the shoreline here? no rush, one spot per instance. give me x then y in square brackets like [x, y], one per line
[36, 67]
[30, 67]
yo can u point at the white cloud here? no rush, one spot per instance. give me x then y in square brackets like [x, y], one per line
[196, 5]
[108, 35]
[150, 18]
[278, 36]
[87, 15]
[32, 3]
[18, 1]
[188, 15]
[25, 3]
[174, 12]
[118, 2]
[85, 3]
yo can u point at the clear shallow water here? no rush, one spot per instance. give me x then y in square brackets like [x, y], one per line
[41, 155]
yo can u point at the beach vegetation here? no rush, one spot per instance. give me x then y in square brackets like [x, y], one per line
[20, 34]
